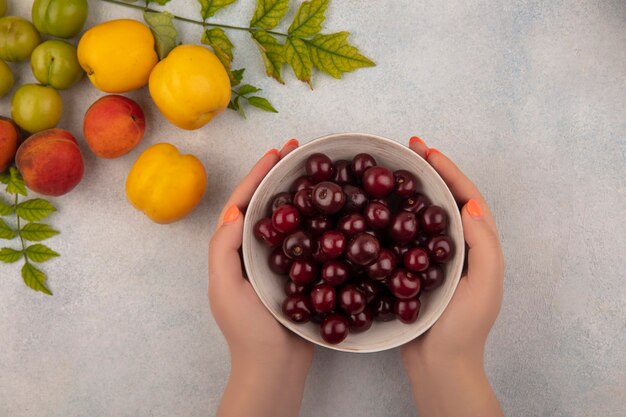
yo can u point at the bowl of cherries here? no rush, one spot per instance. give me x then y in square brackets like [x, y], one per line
[354, 242]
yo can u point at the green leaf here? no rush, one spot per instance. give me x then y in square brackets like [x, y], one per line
[222, 46]
[333, 54]
[40, 253]
[232, 105]
[36, 232]
[247, 89]
[6, 232]
[239, 107]
[309, 18]
[261, 103]
[34, 278]
[35, 209]
[162, 26]
[236, 76]
[8, 255]
[5, 208]
[15, 184]
[236, 105]
[5, 177]
[296, 54]
[210, 7]
[161, 2]
[269, 13]
[271, 52]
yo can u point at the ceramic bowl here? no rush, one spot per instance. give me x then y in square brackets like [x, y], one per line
[269, 286]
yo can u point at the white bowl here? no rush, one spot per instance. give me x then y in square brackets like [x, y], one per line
[269, 286]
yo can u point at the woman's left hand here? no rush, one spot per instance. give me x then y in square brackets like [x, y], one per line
[266, 358]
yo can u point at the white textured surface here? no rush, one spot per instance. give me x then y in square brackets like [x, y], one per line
[527, 96]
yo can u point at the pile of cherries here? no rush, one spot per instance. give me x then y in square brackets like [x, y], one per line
[358, 242]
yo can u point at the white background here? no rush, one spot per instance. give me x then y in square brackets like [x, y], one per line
[527, 96]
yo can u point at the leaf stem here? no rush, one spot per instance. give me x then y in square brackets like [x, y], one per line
[240, 95]
[196, 22]
[19, 227]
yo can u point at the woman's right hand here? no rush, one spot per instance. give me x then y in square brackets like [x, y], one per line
[451, 352]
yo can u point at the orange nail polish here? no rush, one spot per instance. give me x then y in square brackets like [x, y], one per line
[292, 142]
[273, 151]
[231, 214]
[431, 151]
[415, 139]
[474, 209]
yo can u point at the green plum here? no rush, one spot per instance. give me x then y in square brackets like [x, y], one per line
[36, 107]
[61, 18]
[18, 38]
[55, 63]
[6, 78]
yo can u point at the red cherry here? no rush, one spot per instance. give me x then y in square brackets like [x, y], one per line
[265, 232]
[352, 224]
[286, 218]
[334, 329]
[362, 321]
[405, 183]
[280, 199]
[432, 278]
[279, 262]
[407, 310]
[303, 272]
[323, 298]
[378, 181]
[297, 308]
[335, 272]
[302, 201]
[362, 162]
[328, 197]
[404, 284]
[351, 300]
[333, 243]
[319, 167]
[383, 308]
[377, 215]
[300, 183]
[403, 227]
[440, 248]
[415, 203]
[363, 249]
[433, 220]
[383, 266]
[343, 173]
[292, 288]
[416, 259]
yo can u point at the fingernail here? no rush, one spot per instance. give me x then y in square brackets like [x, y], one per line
[273, 151]
[474, 209]
[431, 151]
[291, 142]
[231, 214]
[415, 139]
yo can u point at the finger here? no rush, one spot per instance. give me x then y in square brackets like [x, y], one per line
[246, 188]
[485, 262]
[462, 188]
[418, 146]
[224, 263]
[289, 146]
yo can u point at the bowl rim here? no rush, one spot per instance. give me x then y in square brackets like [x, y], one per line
[248, 228]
